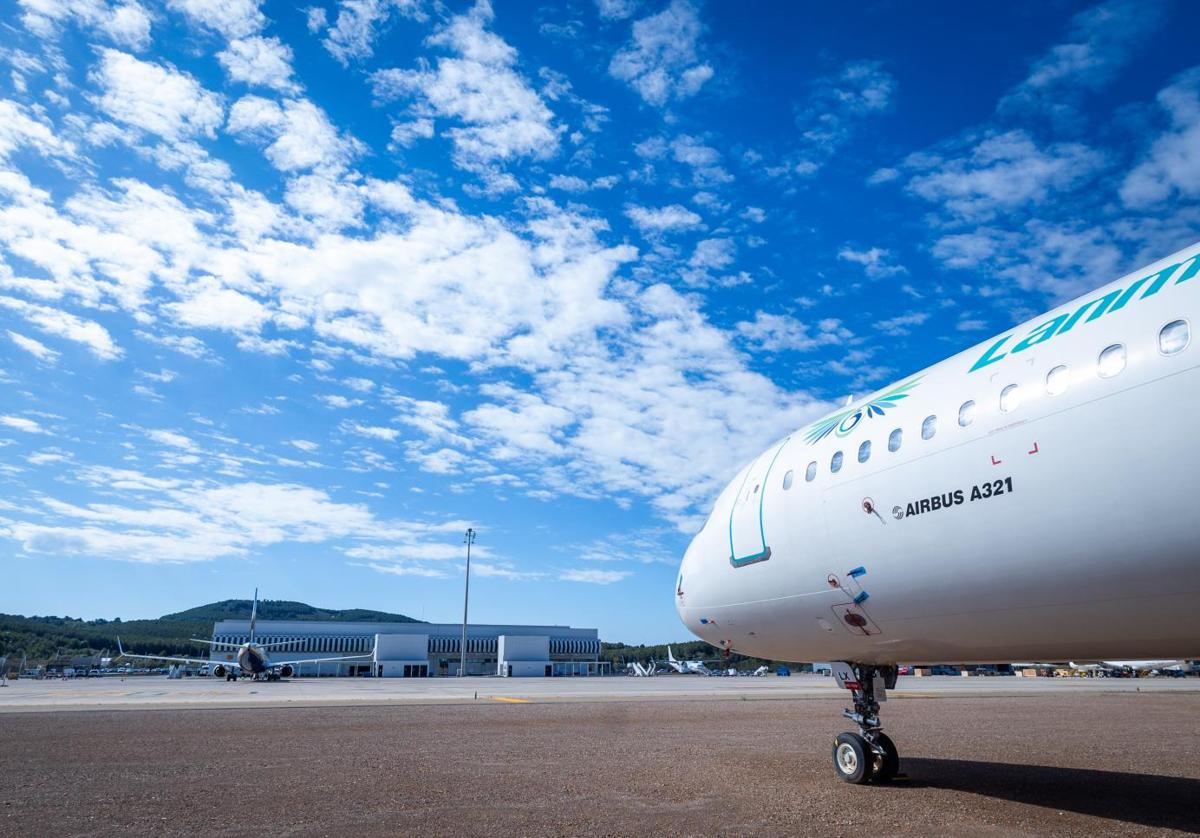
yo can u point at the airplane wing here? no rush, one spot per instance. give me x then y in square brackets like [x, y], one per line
[197, 661]
[222, 643]
[275, 663]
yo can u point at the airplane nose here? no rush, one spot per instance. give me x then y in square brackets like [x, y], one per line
[687, 581]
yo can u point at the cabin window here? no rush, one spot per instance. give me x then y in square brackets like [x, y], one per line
[894, 439]
[1174, 337]
[1057, 380]
[1112, 360]
[835, 464]
[966, 413]
[787, 480]
[864, 451]
[1010, 398]
[810, 472]
[929, 427]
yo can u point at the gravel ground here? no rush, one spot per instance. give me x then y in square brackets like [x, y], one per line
[1035, 765]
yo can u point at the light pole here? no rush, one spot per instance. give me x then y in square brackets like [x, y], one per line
[468, 539]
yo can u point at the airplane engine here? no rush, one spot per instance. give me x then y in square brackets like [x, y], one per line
[286, 671]
[219, 671]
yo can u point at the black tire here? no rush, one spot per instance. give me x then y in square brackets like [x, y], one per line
[887, 765]
[853, 760]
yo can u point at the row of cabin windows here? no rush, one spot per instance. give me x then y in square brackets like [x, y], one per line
[1173, 338]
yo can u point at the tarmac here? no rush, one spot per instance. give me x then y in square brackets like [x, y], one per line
[673, 755]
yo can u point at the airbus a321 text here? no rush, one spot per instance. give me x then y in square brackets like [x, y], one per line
[1028, 499]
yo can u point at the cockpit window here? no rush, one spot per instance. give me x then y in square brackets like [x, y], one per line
[835, 464]
[894, 440]
[787, 479]
[810, 472]
[864, 451]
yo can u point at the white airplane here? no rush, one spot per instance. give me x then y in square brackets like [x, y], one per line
[688, 667]
[249, 660]
[1031, 498]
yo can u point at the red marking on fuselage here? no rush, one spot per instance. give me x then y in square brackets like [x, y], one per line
[1035, 449]
[995, 462]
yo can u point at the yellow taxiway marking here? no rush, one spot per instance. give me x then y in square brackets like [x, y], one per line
[510, 700]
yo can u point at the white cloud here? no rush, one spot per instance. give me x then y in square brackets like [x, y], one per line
[165, 521]
[1103, 38]
[20, 423]
[358, 24]
[704, 160]
[835, 109]
[231, 18]
[1001, 173]
[21, 127]
[305, 445]
[362, 385]
[712, 254]
[779, 332]
[126, 22]
[901, 324]
[616, 9]
[35, 348]
[874, 261]
[573, 183]
[670, 219]
[157, 99]
[172, 439]
[373, 431]
[259, 61]
[52, 321]
[339, 402]
[211, 306]
[299, 134]
[594, 577]
[1172, 164]
[662, 61]
[496, 115]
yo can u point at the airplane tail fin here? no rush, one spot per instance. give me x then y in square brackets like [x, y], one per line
[253, 615]
[671, 656]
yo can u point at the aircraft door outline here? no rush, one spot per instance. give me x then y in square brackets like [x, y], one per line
[744, 524]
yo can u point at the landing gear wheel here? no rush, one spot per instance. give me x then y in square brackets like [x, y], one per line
[886, 765]
[853, 759]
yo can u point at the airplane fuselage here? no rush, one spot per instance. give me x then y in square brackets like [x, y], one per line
[1056, 522]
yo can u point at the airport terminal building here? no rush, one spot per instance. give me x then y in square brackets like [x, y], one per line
[418, 650]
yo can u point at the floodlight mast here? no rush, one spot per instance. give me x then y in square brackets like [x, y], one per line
[468, 539]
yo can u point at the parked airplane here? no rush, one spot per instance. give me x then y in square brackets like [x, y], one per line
[250, 660]
[1031, 498]
[688, 667]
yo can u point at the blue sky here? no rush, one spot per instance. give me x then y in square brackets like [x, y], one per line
[290, 297]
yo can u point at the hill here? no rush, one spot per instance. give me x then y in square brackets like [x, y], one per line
[282, 609]
[41, 638]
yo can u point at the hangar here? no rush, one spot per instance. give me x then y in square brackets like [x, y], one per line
[419, 650]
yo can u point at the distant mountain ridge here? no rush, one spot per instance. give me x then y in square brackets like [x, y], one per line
[282, 609]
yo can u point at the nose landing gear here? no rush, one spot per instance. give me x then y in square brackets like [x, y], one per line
[869, 755]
